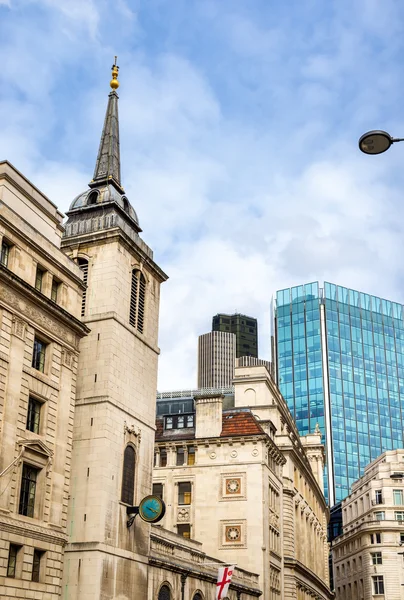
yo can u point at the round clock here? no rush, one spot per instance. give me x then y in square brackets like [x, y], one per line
[152, 509]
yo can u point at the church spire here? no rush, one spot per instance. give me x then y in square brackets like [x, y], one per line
[108, 165]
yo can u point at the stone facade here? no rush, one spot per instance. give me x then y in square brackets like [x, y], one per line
[40, 330]
[253, 492]
[181, 565]
[368, 556]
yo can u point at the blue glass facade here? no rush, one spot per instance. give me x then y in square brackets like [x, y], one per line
[340, 363]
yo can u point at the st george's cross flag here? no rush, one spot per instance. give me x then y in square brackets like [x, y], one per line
[223, 581]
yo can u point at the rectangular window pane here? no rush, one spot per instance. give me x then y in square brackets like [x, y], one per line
[158, 490]
[377, 558]
[28, 489]
[12, 560]
[184, 530]
[39, 279]
[33, 416]
[36, 565]
[163, 458]
[380, 515]
[180, 457]
[38, 356]
[378, 584]
[5, 252]
[191, 455]
[54, 290]
[398, 497]
[184, 493]
[399, 515]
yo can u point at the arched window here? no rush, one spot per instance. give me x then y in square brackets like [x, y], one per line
[125, 204]
[164, 593]
[137, 300]
[128, 475]
[92, 198]
[83, 264]
[198, 596]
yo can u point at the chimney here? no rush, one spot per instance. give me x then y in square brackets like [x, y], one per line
[208, 415]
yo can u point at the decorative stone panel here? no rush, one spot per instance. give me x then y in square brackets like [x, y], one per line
[233, 486]
[233, 533]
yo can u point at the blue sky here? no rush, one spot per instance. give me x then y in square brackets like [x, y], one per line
[239, 128]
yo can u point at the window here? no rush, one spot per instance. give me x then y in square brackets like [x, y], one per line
[55, 289]
[137, 300]
[191, 455]
[36, 565]
[399, 515]
[158, 490]
[378, 497]
[179, 421]
[198, 596]
[28, 489]
[377, 558]
[5, 253]
[164, 593]
[398, 497]
[378, 584]
[92, 198]
[39, 278]
[378, 538]
[38, 356]
[163, 457]
[128, 476]
[184, 530]
[380, 515]
[180, 457]
[12, 560]
[33, 415]
[83, 264]
[184, 493]
[401, 538]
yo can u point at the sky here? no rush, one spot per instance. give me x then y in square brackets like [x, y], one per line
[239, 142]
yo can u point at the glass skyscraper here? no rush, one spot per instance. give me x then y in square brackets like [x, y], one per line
[340, 363]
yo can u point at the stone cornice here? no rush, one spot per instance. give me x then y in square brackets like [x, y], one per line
[164, 563]
[307, 577]
[41, 251]
[31, 530]
[111, 235]
[32, 305]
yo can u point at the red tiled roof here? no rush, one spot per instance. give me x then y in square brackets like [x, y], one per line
[240, 423]
[234, 423]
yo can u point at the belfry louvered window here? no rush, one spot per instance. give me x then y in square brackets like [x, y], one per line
[83, 264]
[164, 593]
[137, 300]
[128, 475]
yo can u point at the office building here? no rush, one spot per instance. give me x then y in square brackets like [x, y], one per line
[340, 363]
[244, 328]
[40, 331]
[236, 476]
[216, 356]
[368, 556]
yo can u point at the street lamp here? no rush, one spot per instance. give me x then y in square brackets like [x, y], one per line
[376, 142]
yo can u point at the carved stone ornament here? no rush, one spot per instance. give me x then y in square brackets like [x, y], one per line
[183, 515]
[19, 328]
[255, 452]
[32, 313]
[132, 430]
[67, 358]
[233, 453]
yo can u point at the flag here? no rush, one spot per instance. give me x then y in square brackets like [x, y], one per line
[223, 581]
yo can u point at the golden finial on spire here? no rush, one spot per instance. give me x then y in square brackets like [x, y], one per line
[114, 83]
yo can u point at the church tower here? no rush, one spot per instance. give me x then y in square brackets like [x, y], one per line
[113, 436]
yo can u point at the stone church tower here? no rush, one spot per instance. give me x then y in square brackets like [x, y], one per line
[113, 436]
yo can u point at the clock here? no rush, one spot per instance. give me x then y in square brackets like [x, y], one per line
[152, 509]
